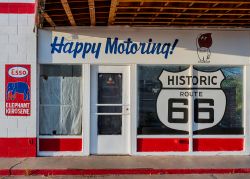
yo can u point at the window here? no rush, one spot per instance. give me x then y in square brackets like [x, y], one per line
[209, 97]
[232, 86]
[149, 87]
[60, 100]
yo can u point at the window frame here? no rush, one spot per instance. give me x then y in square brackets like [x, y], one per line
[85, 128]
[191, 136]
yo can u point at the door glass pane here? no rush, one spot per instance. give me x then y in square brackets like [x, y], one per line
[109, 109]
[109, 92]
[110, 125]
[109, 88]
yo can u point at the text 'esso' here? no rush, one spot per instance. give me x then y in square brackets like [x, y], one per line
[18, 72]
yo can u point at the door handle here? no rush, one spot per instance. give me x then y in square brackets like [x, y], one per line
[126, 109]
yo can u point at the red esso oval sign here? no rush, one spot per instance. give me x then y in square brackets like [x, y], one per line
[18, 72]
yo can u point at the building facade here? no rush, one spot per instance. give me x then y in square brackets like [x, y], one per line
[121, 90]
[18, 46]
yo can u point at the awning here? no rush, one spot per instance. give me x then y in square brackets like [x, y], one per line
[167, 13]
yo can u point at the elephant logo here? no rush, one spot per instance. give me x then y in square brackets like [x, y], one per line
[196, 98]
[203, 44]
[18, 87]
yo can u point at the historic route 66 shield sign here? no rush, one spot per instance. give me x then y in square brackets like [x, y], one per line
[191, 95]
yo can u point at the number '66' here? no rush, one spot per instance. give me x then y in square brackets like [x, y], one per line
[184, 110]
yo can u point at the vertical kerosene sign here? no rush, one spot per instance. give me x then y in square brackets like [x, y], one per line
[17, 90]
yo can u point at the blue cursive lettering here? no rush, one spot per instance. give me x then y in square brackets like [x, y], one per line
[75, 48]
[113, 46]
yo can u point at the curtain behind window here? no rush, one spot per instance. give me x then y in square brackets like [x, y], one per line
[60, 104]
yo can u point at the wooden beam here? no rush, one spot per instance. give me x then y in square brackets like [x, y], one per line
[161, 9]
[155, 22]
[214, 5]
[188, 8]
[187, 13]
[182, 18]
[67, 9]
[191, 1]
[75, 8]
[112, 11]
[39, 13]
[187, 25]
[139, 8]
[72, 1]
[81, 13]
[92, 12]
[48, 19]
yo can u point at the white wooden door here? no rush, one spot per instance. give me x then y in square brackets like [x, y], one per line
[110, 110]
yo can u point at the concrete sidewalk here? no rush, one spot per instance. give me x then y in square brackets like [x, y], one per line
[124, 165]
